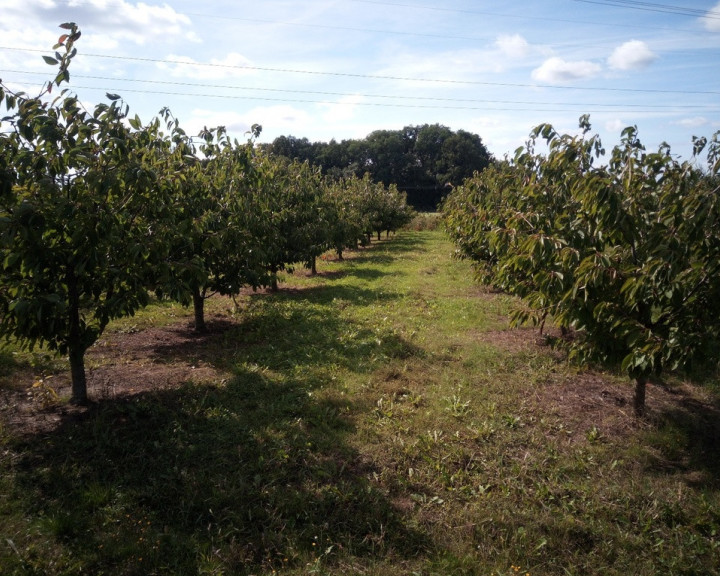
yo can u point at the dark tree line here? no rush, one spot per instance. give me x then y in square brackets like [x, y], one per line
[424, 161]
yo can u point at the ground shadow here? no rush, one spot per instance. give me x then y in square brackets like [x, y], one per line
[689, 434]
[251, 476]
[243, 476]
[294, 329]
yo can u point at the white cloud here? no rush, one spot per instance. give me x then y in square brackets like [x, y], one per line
[712, 19]
[232, 66]
[615, 126]
[99, 43]
[507, 51]
[631, 56]
[695, 122]
[122, 20]
[275, 120]
[558, 70]
[513, 46]
[343, 110]
[449, 65]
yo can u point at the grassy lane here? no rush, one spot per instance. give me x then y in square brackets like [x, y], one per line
[379, 418]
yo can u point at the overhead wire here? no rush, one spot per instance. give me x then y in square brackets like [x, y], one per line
[377, 76]
[517, 16]
[76, 3]
[349, 94]
[411, 102]
[660, 8]
[534, 107]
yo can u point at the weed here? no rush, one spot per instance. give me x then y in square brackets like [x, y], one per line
[42, 394]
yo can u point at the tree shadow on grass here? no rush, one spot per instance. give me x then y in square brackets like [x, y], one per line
[251, 476]
[243, 477]
[363, 273]
[387, 250]
[291, 328]
[687, 435]
[404, 241]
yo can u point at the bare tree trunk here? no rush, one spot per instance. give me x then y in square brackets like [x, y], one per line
[76, 346]
[313, 266]
[199, 309]
[77, 370]
[639, 398]
[273, 279]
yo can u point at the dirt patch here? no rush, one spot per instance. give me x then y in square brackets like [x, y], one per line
[119, 365]
[523, 339]
[157, 358]
[590, 402]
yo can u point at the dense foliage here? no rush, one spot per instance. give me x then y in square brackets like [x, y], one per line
[423, 161]
[97, 211]
[626, 254]
[77, 240]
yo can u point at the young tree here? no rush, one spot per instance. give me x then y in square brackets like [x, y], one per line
[78, 241]
[213, 247]
[293, 214]
[346, 221]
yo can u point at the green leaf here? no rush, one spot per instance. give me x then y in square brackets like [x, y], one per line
[135, 122]
[51, 61]
[112, 97]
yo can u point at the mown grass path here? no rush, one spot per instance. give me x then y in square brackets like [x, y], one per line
[379, 418]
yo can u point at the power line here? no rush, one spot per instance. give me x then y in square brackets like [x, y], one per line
[654, 7]
[349, 94]
[549, 107]
[376, 76]
[523, 17]
[73, 3]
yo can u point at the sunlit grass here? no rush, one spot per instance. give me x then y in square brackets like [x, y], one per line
[377, 421]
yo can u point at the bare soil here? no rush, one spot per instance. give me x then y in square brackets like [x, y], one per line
[119, 365]
[588, 402]
[123, 364]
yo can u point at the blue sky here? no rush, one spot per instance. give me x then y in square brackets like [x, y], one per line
[326, 69]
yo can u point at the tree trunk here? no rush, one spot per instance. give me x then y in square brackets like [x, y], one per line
[77, 370]
[639, 398]
[273, 279]
[379, 234]
[340, 254]
[313, 266]
[76, 346]
[199, 309]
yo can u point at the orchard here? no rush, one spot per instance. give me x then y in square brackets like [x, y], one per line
[98, 211]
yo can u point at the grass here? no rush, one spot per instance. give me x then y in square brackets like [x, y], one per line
[377, 419]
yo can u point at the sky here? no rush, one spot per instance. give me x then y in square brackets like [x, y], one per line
[340, 69]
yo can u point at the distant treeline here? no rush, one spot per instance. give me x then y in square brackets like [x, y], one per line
[423, 161]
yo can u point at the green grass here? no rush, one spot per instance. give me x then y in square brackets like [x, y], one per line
[374, 424]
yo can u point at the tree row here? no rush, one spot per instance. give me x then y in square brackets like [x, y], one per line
[621, 251]
[98, 211]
